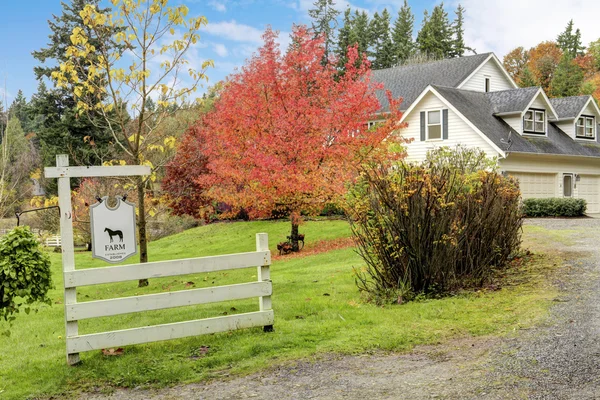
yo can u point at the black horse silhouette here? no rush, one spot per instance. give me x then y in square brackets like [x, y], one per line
[112, 233]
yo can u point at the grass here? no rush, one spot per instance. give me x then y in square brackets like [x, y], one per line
[317, 309]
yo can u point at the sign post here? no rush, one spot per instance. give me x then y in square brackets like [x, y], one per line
[64, 173]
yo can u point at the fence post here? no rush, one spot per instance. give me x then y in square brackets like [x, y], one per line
[68, 251]
[264, 275]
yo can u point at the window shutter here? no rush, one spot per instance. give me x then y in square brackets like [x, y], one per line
[422, 126]
[445, 124]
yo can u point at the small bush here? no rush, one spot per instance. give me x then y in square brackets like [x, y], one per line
[25, 276]
[434, 227]
[554, 207]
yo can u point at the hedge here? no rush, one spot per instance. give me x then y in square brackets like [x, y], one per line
[554, 207]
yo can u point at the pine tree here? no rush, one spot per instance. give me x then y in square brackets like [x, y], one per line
[458, 31]
[325, 21]
[382, 54]
[404, 45]
[343, 41]
[435, 36]
[63, 130]
[569, 42]
[526, 78]
[567, 79]
[361, 32]
[19, 109]
[355, 31]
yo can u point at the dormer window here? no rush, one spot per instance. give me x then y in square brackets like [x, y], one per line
[534, 121]
[586, 127]
[487, 84]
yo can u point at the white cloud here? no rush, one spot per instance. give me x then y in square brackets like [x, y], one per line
[220, 49]
[233, 31]
[500, 26]
[218, 5]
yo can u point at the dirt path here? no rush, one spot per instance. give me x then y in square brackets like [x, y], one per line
[559, 360]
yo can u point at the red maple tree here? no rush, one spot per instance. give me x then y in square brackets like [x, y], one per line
[287, 133]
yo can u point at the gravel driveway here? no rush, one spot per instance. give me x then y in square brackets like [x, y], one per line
[558, 360]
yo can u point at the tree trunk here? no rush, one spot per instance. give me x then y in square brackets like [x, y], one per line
[294, 237]
[142, 227]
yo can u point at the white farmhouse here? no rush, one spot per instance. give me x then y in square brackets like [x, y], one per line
[550, 145]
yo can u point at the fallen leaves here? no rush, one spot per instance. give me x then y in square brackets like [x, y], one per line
[322, 246]
[113, 352]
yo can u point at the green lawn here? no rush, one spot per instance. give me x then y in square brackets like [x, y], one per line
[317, 310]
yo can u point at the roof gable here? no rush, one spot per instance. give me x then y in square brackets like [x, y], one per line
[493, 59]
[409, 81]
[545, 99]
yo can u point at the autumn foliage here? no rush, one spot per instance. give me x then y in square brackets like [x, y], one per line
[286, 134]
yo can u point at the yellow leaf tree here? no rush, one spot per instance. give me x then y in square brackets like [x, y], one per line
[138, 84]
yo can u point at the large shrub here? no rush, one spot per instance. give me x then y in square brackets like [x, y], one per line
[554, 207]
[433, 227]
[25, 276]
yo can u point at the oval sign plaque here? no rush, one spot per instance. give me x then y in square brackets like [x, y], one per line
[113, 230]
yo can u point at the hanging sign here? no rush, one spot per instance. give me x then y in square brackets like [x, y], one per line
[113, 230]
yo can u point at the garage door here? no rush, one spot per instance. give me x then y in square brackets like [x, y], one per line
[588, 189]
[536, 185]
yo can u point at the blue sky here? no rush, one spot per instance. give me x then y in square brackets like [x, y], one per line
[235, 27]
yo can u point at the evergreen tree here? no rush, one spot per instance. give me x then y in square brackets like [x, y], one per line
[567, 79]
[17, 160]
[355, 31]
[382, 53]
[21, 110]
[404, 45]
[344, 39]
[325, 21]
[435, 36]
[458, 31]
[526, 78]
[569, 42]
[361, 31]
[63, 130]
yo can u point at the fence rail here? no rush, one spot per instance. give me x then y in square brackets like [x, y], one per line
[125, 305]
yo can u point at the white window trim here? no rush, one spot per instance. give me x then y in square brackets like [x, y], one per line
[594, 127]
[427, 139]
[534, 132]
[486, 79]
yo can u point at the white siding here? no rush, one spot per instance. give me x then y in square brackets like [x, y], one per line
[515, 122]
[540, 102]
[588, 187]
[498, 80]
[567, 127]
[458, 131]
[591, 110]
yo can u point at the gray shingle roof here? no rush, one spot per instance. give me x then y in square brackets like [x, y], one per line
[479, 109]
[569, 107]
[410, 80]
[512, 100]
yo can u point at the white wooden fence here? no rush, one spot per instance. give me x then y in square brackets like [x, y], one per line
[53, 241]
[261, 258]
[74, 278]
